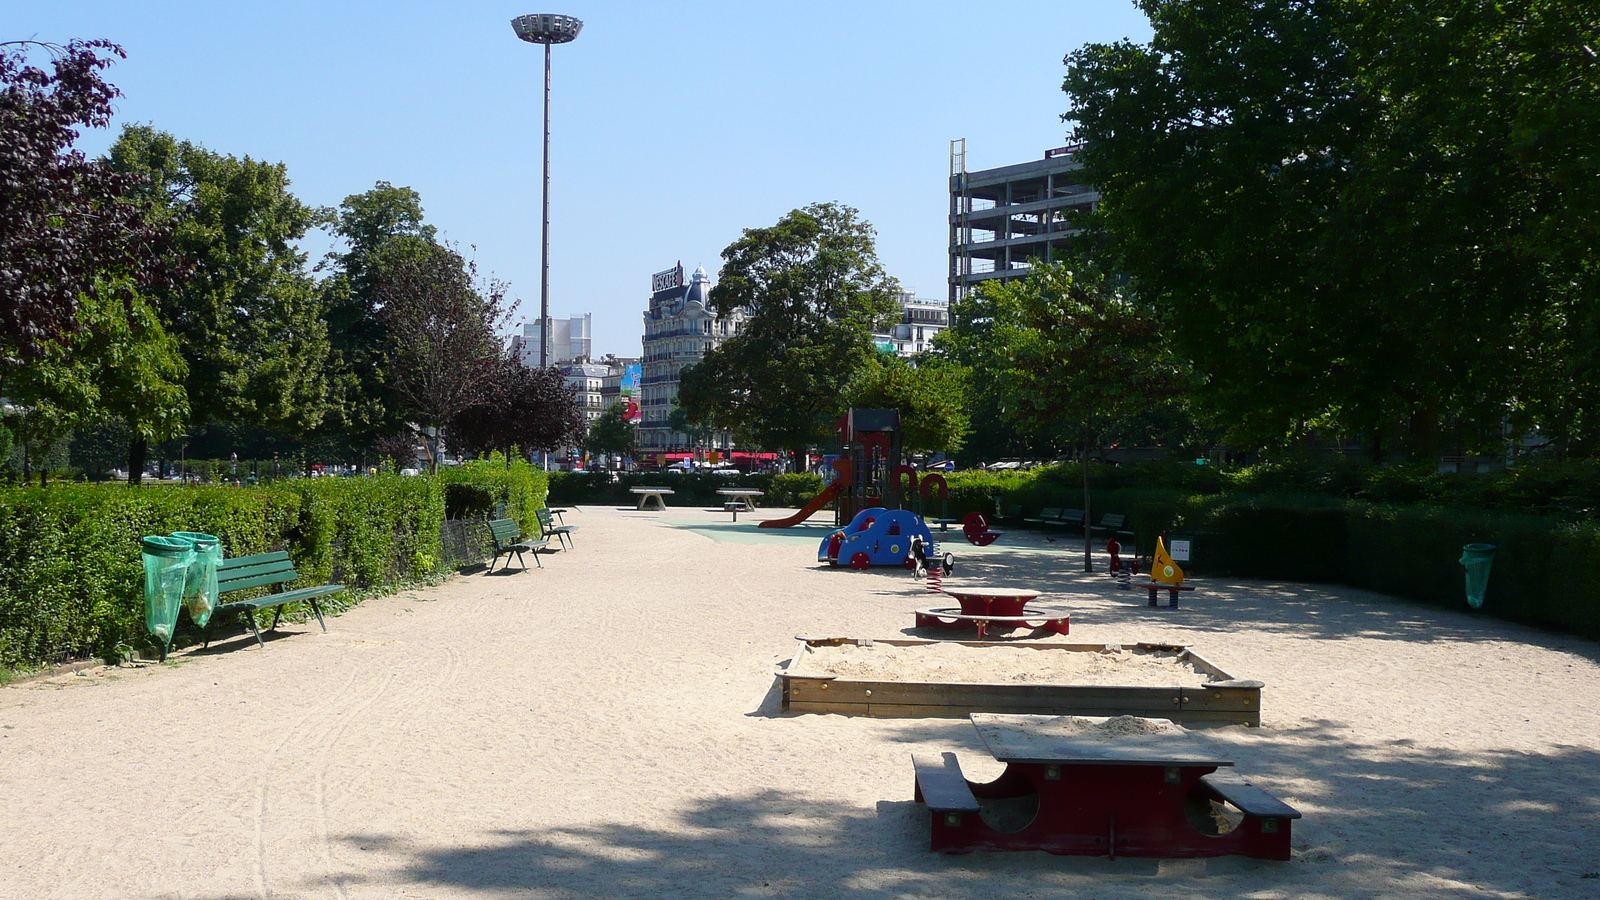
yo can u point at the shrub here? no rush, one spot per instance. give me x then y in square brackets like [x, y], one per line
[71, 579]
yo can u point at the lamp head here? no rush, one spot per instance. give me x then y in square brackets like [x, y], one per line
[546, 28]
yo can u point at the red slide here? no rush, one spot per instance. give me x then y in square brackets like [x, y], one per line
[843, 467]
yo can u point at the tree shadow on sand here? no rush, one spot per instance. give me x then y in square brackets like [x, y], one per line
[1323, 612]
[1438, 824]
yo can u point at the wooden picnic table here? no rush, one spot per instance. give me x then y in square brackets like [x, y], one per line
[1088, 791]
[646, 494]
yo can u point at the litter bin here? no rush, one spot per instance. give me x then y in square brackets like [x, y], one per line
[200, 587]
[166, 573]
[1477, 558]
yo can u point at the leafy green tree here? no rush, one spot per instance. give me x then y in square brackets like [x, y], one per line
[700, 431]
[1346, 210]
[1071, 358]
[611, 434]
[814, 292]
[930, 393]
[248, 319]
[138, 374]
[374, 225]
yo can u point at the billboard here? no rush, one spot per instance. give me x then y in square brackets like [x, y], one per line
[666, 281]
[630, 392]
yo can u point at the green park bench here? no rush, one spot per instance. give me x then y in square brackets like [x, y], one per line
[261, 570]
[549, 529]
[507, 535]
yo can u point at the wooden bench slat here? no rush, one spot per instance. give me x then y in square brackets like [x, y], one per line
[259, 580]
[1253, 800]
[943, 787]
[267, 601]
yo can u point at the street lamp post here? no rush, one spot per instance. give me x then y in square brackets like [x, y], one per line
[546, 29]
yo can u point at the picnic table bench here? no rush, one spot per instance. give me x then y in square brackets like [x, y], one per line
[261, 570]
[507, 537]
[1080, 792]
[1172, 591]
[646, 494]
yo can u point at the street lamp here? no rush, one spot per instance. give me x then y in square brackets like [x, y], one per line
[546, 29]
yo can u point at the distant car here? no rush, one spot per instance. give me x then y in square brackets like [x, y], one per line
[727, 472]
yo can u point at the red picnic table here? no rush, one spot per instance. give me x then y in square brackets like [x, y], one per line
[1083, 792]
[993, 606]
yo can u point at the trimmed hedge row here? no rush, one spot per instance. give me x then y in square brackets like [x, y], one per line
[1539, 576]
[71, 577]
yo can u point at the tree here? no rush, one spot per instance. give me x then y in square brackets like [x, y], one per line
[1344, 209]
[814, 292]
[531, 408]
[931, 394]
[611, 434]
[374, 225]
[248, 319]
[445, 355]
[138, 374]
[1071, 357]
[64, 220]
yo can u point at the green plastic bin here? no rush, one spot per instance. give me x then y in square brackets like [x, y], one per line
[200, 587]
[1477, 558]
[166, 574]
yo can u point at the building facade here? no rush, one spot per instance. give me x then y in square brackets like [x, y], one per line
[919, 321]
[570, 339]
[680, 327]
[1002, 219]
[597, 385]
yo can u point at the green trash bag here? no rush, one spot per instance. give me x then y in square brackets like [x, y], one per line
[1477, 558]
[166, 574]
[200, 587]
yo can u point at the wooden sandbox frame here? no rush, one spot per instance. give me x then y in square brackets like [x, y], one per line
[1223, 700]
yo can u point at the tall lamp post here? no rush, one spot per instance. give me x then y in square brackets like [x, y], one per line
[546, 29]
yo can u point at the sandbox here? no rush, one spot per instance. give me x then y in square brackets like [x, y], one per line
[906, 678]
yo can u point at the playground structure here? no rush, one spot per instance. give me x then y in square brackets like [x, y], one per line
[875, 537]
[871, 473]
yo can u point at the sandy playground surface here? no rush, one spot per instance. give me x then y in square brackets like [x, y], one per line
[609, 727]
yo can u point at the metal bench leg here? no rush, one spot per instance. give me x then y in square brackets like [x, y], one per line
[276, 616]
[535, 552]
[250, 619]
[317, 608]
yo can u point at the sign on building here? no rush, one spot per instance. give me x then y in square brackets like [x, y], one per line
[666, 281]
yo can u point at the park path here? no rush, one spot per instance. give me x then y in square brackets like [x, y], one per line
[608, 727]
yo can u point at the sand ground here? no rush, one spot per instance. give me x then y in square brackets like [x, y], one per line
[609, 726]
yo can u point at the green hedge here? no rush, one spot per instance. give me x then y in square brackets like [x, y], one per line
[71, 576]
[598, 488]
[1318, 524]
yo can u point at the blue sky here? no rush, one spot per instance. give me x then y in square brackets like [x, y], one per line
[674, 126]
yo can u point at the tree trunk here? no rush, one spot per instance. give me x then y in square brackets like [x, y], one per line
[1423, 434]
[1088, 519]
[137, 448]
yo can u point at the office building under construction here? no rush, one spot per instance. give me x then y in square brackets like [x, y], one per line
[1001, 220]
